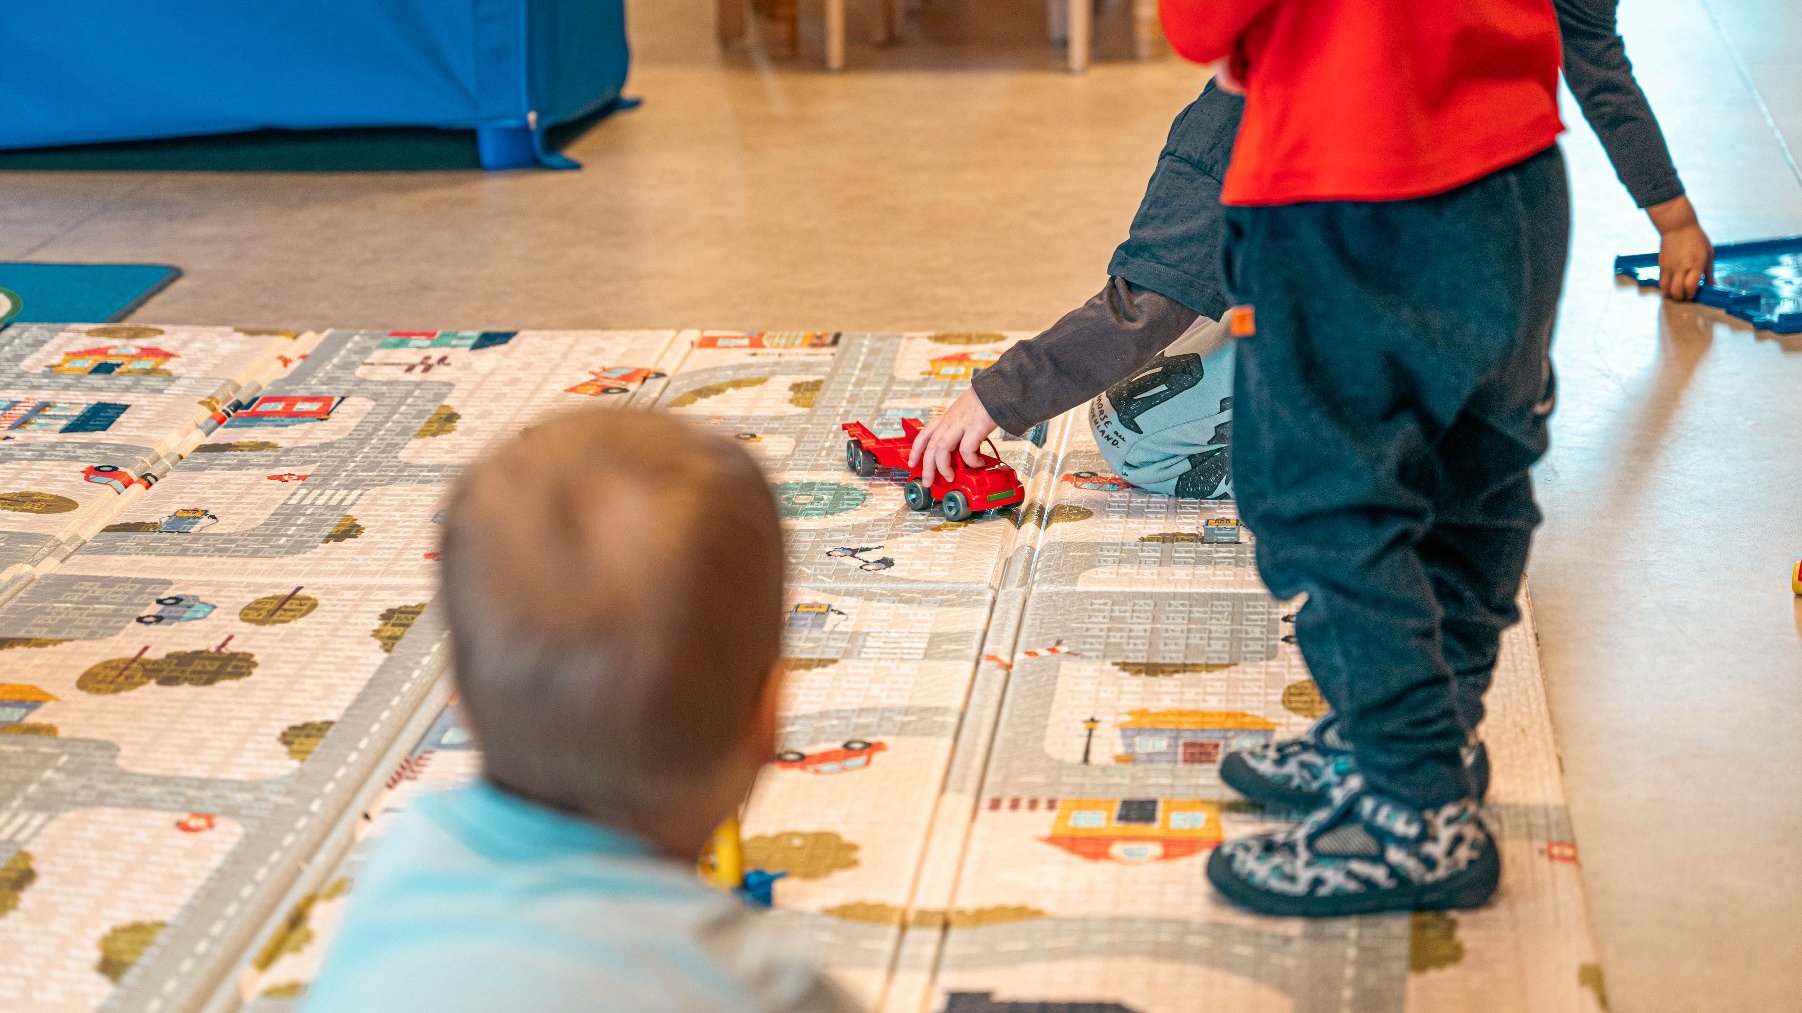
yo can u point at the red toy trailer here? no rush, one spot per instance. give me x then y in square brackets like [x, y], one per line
[966, 491]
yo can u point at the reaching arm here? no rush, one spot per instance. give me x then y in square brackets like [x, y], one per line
[1091, 348]
[1596, 67]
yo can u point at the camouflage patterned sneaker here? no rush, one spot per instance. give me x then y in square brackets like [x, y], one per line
[1362, 853]
[1300, 773]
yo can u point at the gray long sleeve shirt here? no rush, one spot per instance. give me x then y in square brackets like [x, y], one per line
[1168, 271]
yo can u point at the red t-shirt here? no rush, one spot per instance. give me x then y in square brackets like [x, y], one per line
[1372, 100]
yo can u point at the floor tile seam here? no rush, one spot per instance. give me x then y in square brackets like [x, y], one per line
[979, 777]
[339, 840]
[1043, 492]
[1745, 75]
[181, 447]
[426, 667]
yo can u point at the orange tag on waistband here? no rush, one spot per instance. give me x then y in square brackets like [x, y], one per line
[1241, 322]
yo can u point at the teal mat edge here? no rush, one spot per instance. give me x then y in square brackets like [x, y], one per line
[15, 310]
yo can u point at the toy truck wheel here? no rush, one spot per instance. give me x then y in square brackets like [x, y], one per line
[857, 745]
[150, 620]
[791, 756]
[956, 506]
[917, 495]
[171, 600]
[858, 459]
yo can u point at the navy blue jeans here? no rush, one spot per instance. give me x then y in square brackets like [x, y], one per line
[1388, 407]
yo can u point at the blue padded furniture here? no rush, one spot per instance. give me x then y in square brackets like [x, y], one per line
[85, 71]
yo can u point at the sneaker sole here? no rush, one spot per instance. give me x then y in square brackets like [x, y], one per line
[1470, 888]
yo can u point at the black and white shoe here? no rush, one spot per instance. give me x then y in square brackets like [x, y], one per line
[1362, 853]
[1301, 773]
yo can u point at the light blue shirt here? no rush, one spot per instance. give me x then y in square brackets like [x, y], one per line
[480, 900]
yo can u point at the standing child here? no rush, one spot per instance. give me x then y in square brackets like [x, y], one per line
[1397, 223]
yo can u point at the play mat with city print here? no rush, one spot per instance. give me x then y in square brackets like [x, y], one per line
[221, 674]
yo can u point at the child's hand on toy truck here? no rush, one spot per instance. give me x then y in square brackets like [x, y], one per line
[961, 429]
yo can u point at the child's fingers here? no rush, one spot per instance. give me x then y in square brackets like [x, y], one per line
[972, 447]
[918, 450]
[946, 468]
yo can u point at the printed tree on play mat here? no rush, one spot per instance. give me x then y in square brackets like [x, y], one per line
[812, 855]
[296, 931]
[8, 643]
[276, 609]
[716, 389]
[30, 502]
[16, 874]
[343, 531]
[1433, 941]
[121, 947]
[442, 423]
[303, 738]
[804, 393]
[395, 624]
[179, 668]
[878, 913]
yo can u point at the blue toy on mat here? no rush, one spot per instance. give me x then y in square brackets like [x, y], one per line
[1759, 282]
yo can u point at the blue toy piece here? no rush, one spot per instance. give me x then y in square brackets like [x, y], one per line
[759, 887]
[1760, 282]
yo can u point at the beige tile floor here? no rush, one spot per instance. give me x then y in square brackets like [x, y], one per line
[960, 179]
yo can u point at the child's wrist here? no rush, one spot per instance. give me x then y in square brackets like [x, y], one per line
[1673, 215]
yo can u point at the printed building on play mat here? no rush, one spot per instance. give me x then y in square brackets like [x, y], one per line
[1135, 829]
[1189, 736]
[107, 359]
[59, 416]
[435, 340]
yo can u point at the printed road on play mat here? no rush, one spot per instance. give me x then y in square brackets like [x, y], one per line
[1000, 738]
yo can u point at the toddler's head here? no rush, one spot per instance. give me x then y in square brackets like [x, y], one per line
[613, 585]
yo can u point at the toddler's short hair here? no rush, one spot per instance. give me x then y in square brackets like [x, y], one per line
[612, 580]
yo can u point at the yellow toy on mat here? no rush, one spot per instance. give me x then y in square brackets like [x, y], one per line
[1795, 578]
[725, 866]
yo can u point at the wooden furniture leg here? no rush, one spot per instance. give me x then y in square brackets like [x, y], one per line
[888, 22]
[1082, 17]
[835, 34]
[731, 19]
[785, 28]
[1148, 31]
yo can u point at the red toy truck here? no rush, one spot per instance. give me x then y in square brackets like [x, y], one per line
[966, 491]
